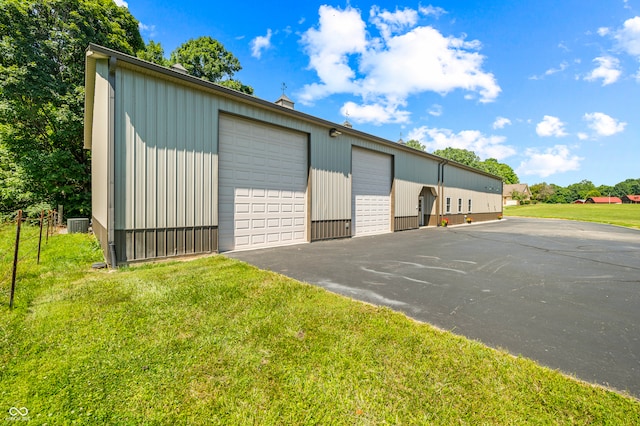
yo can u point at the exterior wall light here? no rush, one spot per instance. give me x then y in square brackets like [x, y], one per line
[334, 133]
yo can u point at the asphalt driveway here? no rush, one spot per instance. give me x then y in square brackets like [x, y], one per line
[564, 293]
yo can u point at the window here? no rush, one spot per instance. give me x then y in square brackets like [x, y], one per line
[459, 205]
[469, 207]
[448, 204]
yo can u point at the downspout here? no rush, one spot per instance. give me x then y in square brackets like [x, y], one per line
[441, 190]
[111, 157]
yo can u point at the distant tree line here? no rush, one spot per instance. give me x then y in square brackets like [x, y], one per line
[540, 192]
[552, 193]
[42, 57]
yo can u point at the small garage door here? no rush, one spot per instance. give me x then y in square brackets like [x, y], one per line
[262, 185]
[371, 189]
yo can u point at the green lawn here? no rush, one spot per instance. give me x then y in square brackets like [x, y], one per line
[216, 341]
[614, 214]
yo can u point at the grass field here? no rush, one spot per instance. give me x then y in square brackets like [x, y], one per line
[614, 214]
[216, 341]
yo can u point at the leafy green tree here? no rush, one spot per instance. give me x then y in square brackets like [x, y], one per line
[412, 143]
[560, 195]
[542, 192]
[42, 55]
[153, 52]
[627, 187]
[580, 190]
[463, 156]
[207, 58]
[491, 165]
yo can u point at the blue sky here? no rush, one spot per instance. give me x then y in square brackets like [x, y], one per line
[549, 87]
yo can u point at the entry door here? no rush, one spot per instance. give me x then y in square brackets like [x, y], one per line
[421, 206]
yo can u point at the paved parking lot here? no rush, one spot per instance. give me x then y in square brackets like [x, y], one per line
[564, 293]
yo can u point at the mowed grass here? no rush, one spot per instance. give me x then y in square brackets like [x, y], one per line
[615, 214]
[216, 341]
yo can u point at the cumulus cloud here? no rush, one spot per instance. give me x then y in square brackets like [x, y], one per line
[149, 30]
[374, 113]
[547, 162]
[404, 60]
[472, 140]
[260, 43]
[604, 125]
[550, 126]
[121, 3]
[608, 70]
[501, 122]
[628, 37]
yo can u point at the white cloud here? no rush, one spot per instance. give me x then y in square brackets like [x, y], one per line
[501, 122]
[150, 30]
[608, 70]
[550, 126]
[628, 37]
[557, 159]
[121, 3]
[603, 31]
[260, 43]
[583, 136]
[375, 113]
[604, 125]
[472, 140]
[431, 10]
[435, 110]
[389, 23]
[384, 71]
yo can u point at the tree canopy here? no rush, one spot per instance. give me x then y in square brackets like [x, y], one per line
[207, 58]
[42, 54]
[469, 158]
[42, 59]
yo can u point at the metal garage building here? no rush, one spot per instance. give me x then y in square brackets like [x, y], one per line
[183, 166]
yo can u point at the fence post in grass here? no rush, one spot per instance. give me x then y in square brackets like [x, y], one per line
[40, 239]
[48, 225]
[15, 260]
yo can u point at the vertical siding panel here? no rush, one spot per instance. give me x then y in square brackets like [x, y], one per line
[161, 158]
[171, 156]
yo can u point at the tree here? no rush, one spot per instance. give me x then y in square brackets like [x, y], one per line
[412, 143]
[207, 58]
[491, 165]
[42, 53]
[153, 52]
[580, 190]
[542, 192]
[463, 156]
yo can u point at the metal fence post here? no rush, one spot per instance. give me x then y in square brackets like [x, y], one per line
[15, 260]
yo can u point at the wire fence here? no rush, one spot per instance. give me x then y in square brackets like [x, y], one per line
[21, 247]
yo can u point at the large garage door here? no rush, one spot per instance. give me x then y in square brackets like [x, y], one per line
[371, 188]
[262, 185]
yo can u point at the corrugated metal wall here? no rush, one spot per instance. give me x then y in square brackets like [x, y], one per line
[167, 167]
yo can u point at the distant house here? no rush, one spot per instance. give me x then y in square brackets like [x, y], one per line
[631, 199]
[512, 194]
[603, 200]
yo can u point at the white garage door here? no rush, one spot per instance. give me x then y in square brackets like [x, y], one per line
[262, 185]
[371, 188]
